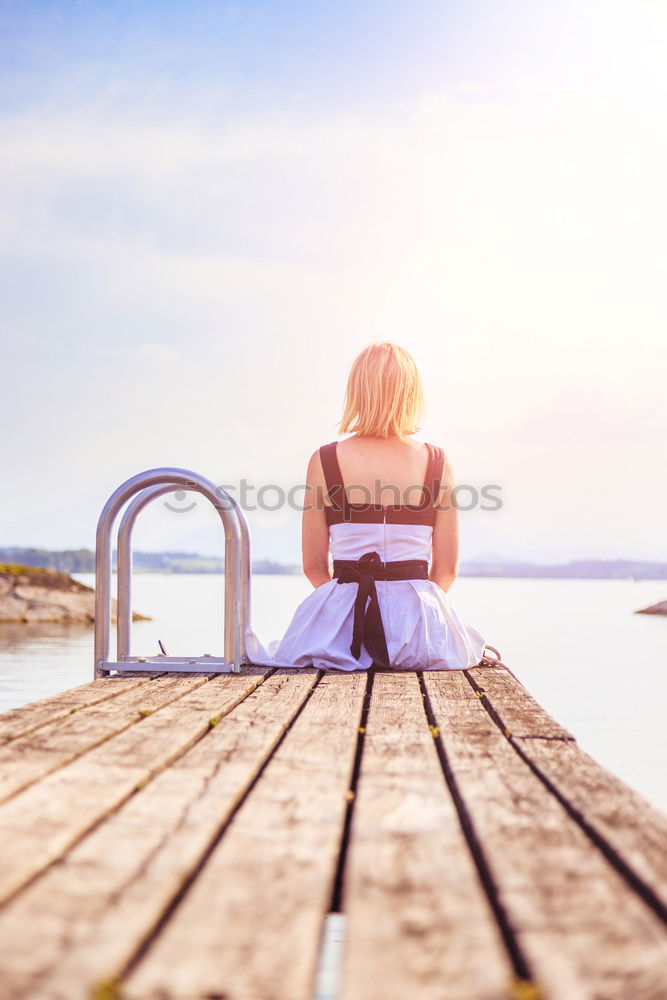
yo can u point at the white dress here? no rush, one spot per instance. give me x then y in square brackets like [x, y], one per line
[422, 629]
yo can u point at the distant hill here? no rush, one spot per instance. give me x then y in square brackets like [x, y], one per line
[578, 569]
[83, 561]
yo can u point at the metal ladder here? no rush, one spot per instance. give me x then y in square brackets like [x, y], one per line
[144, 488]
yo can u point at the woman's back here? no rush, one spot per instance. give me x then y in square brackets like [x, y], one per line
[383, 470]
[384, 503]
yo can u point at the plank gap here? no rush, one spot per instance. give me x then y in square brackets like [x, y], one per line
[146, 943]
[517, 957]
[29, 718]
[28, 759]
[634, 880]
[547, 739]
[336, 905]
[9, 895]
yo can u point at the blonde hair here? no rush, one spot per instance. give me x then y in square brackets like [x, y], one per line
[384, 394]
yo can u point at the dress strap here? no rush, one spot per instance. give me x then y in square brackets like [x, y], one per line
[434, 471]
[333, 477]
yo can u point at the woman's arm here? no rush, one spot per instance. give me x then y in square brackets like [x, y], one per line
[445, 555]
[314, 528]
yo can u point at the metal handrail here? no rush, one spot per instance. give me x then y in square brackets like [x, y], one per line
[124, 566]
[149, 485]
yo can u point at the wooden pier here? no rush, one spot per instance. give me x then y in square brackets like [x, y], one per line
[190, 837]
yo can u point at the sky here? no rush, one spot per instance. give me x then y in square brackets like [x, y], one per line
[208, 209]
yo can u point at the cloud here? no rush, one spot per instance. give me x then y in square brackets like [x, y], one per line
[197, 287]
[147, 354]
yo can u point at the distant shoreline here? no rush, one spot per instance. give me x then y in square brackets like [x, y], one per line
[83, 561]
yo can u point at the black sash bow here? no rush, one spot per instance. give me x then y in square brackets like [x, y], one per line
[368, 626]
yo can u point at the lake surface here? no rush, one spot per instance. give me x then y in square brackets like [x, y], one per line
[576, 644]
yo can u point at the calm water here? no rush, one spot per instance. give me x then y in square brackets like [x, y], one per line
[599, 669]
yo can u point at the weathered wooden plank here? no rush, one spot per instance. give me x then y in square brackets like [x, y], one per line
[625, 820]
[586, 934]
[30, 757]
[523, 715]
[91, 911]
[40, 823]
[251, 923]
[20, 721]
[418, 922]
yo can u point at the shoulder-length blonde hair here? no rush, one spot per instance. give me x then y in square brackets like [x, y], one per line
[384, 394]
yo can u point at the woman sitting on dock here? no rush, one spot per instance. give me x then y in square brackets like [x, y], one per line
[380, 502]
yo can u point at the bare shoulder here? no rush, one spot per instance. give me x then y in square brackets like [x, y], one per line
[419, 447]
[315, 468]
[438, 448]
[316, 488]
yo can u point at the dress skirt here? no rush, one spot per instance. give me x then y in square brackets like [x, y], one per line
[422, 629]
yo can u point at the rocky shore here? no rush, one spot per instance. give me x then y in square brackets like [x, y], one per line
[656, 609]
[28, 594]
